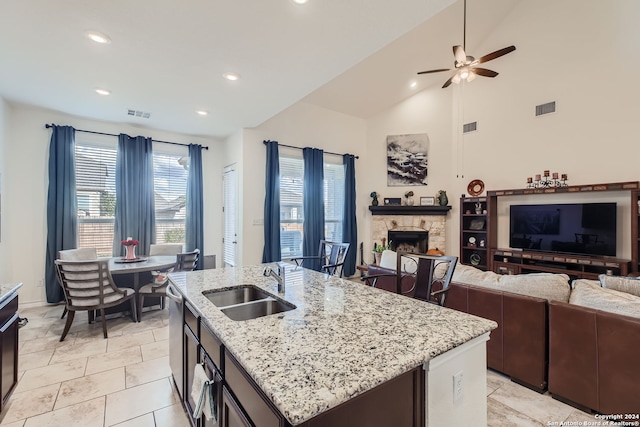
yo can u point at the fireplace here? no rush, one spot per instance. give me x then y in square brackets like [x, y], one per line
[409, 240]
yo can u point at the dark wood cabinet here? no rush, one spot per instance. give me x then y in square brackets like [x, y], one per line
[8, 348]
[232, 415]
[191, 346]
[508, 261]
[477, 233]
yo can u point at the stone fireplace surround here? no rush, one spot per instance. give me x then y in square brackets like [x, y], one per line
[432, 224]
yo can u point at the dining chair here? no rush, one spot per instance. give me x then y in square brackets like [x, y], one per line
[165, 249]
[330, 258]
[88, 286]
[432, 276]
[80, 254]
[185, 261]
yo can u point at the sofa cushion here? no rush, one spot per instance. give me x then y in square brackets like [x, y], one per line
[549, 286]
[590, 294]
[472, 276]
[630, 285]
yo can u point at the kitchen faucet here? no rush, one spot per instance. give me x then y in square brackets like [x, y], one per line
[278, 275]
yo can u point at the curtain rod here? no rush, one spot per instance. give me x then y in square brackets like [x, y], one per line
[299, 148]
[113, 134]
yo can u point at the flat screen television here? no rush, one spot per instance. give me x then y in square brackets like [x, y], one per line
[576, 228]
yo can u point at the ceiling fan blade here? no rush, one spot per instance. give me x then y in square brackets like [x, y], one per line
[459, 55]
[484, 72]
[448, 82]
[434, 71]
[496, 54]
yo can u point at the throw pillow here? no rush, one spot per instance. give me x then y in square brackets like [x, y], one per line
[541, 285]
[630, 285]
[473, 276]
[593, 296]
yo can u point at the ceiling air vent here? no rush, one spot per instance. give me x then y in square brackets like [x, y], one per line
[549, 107]
[138, 113]
[470, 127]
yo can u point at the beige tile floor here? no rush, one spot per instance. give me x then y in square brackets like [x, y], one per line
[125, 379]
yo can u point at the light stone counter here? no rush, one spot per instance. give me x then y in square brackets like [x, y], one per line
[8, 290]
[343, 339]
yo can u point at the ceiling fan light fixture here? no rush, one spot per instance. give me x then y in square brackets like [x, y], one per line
[464, 73]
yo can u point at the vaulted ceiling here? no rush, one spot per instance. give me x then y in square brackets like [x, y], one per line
[167, 57]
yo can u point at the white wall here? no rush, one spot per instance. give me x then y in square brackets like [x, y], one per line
[25, 185]
[5, 265]
[302, 125]
[234, 156]
[579, 54]
[427, 112]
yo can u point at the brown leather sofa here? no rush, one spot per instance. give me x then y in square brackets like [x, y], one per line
[519, 345]
[594, 359]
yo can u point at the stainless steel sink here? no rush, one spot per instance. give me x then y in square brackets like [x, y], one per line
[235, 296]
[247, 302]
[254, 309]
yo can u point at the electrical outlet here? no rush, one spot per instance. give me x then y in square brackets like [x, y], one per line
[258, 221]
[41, 283]
[457, 387]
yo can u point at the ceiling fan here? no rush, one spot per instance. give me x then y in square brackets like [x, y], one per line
[467, 66]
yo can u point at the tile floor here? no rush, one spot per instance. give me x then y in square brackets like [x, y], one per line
[125, 379]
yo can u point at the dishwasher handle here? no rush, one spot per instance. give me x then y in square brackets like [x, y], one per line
[173, 294]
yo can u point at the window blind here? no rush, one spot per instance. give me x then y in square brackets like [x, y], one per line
[170, 173]
[229, 217]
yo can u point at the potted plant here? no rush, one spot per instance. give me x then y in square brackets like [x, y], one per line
[378, 249]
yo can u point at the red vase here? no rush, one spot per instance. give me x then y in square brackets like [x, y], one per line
[131, 252]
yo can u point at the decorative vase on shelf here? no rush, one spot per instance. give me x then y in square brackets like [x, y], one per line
[409, 201]
[442, 198]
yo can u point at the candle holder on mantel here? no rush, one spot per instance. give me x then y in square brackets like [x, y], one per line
[547, 180]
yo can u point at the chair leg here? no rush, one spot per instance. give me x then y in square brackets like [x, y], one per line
[63, 313]
[104, 323]
[134, 312]
[67, 325]
[162, 303]
[140, 303]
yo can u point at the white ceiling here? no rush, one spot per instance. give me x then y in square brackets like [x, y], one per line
[167, 57]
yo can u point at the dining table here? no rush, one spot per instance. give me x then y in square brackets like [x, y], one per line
[137, 273]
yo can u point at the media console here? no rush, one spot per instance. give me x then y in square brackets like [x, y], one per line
[508, 261]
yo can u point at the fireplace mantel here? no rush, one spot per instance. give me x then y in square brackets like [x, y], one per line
[409, 210]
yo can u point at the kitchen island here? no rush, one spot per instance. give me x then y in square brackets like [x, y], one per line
[343, 344]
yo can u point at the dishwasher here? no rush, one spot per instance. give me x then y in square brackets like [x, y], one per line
[176, 336]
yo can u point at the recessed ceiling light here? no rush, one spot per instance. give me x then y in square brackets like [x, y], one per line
[413, 84]
[98, 37]
[300, 1]
[202, 112]
[103, 91]
[231, 76]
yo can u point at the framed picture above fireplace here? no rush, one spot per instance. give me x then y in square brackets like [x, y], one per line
[407, 159]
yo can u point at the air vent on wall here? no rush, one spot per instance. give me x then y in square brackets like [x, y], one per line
[549, 107]
[469, 127]
[138, 113]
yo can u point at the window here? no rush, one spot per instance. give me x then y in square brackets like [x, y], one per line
[170, 173]
[291, 208]
[96, 195]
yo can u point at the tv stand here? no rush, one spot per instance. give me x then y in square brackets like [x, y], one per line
[508, 261]
[587, 266]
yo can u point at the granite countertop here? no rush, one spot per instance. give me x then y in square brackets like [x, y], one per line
[8, 290]
[343, 339]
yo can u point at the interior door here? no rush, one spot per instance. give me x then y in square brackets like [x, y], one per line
[229, 216]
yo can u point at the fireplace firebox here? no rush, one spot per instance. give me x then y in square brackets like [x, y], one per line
[408, 240]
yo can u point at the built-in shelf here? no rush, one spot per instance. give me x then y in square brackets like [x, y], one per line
[616, 186]
[409, 210]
